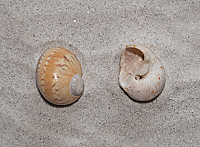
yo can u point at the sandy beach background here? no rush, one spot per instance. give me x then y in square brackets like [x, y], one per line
[97, 32]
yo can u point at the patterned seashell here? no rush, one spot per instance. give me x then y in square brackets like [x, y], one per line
[142, 75]
[58, 76]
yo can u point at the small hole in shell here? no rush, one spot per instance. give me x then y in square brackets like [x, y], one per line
[138, 77]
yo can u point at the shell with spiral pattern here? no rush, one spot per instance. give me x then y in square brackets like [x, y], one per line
[142, 74]
[59, 76]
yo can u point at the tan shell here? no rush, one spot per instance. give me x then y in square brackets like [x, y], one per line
[58, 76]
[142, 75]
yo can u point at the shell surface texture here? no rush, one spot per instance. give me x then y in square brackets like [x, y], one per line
[142, 74]
[58, 76]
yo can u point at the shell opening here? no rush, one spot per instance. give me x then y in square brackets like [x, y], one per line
[138, 77]
[134, 62]
[76, 85]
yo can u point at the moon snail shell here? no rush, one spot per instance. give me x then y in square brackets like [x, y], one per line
[58, 76]
[142, 74]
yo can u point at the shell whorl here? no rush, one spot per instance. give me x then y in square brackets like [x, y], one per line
[76, 85]
[55, 72]
[142, 75]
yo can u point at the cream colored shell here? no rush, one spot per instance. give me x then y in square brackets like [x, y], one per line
[58, 76]
[142, 75]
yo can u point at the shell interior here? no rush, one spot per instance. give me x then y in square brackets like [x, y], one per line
[133, 60]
